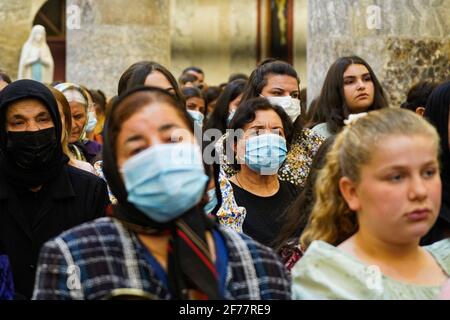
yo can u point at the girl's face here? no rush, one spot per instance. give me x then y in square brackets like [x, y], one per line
[195, 104]
[154, 124]
[398, 197]
[279, 85]
[358, 88]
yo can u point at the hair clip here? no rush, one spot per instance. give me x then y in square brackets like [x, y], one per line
[352, 118]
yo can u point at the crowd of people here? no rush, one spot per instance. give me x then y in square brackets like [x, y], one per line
[176, 189]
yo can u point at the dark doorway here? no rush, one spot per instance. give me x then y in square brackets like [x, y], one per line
[279, 30]
[52, 16]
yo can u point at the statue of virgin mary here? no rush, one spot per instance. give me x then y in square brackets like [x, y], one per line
[36, 61]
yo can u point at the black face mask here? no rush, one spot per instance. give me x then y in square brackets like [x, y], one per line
[32, 149]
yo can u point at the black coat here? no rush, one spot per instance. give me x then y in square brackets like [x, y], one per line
[74, 197]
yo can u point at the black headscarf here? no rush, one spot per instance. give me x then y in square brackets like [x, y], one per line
[18, 176]
[437, 112]
[185, 270]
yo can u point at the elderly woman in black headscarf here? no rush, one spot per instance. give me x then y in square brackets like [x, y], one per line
[40, 195]
[437, 112]
[158, 242]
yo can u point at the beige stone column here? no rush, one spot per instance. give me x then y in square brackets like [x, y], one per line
[113, 34]
[300, 39]
[404, 41]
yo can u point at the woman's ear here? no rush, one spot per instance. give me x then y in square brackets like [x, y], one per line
[420, 111]
[349, 193]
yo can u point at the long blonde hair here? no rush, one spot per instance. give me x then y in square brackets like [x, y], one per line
[331, 219]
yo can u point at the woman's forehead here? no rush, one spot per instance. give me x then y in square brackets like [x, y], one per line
[156, 114]
[281, 81]
[26, 104]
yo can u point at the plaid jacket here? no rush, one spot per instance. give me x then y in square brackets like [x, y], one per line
[91, 260]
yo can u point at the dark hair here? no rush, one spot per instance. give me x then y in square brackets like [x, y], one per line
[246, 113]
[195, 69]
[314, 115]
[331, 106]
[303, 102]
[219, 116]
[190, 92]
[194, 92]
[258, 80]
[298, 212]
[236, 76]
[223, 85]
[437, 112]
[136, 74]
[211, 94]
[187, 77]
[99, 99]
[109, 105]
[136, 99]
[5, 77]
[417, 95]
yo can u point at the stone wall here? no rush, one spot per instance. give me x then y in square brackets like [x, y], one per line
[113, 34]
[217, 35]
[409, 42]
[300, 39]
[16, 18]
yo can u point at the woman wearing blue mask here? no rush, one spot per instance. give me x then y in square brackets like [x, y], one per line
[262, 134]
[279, 83]
[195, 104]
[158, 240]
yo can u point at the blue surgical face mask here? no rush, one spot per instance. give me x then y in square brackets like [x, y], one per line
[212, 202]
[265, 153]
[92, 121]
[197, 116]
[165, 180]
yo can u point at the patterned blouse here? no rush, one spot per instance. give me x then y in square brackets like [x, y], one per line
[6, 279]
[294, 170]
[98, 167]
[298, 160]
[230, 215]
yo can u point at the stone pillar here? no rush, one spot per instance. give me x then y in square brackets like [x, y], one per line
[404, 41]
[16, 18]
[300, 39]
[218, 36]
[112, 35]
